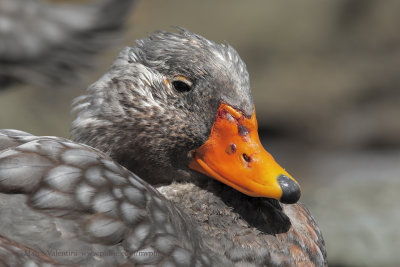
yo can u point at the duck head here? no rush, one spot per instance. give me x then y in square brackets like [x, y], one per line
[177, 106]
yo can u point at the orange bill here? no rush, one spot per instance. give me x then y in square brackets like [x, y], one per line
[234, 155]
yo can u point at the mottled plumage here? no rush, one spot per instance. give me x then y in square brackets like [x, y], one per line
[134, 105]
[57, 195]
[81, 199]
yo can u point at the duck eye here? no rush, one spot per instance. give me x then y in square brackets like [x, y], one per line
[181, 84]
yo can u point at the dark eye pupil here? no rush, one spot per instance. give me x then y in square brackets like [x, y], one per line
[181, 86]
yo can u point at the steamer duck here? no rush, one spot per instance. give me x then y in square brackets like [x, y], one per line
[166, 169]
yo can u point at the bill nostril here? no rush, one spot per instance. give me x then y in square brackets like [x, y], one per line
[246, 157]
[290, 190]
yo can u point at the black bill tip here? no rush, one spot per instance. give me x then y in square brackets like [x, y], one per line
[290, 190]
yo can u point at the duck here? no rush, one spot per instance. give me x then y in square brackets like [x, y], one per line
[165, 169]
[48, 44]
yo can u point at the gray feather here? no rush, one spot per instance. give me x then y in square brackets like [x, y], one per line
[47, 44]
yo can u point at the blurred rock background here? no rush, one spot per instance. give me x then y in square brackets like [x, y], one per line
[326, 82]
